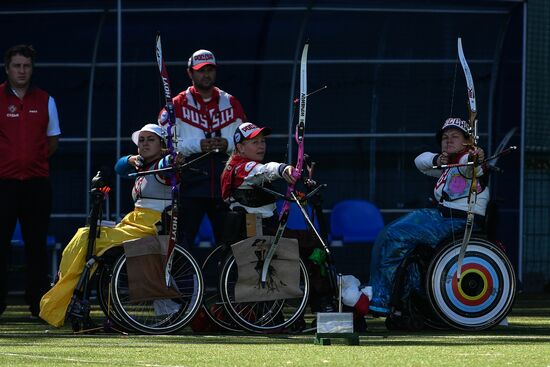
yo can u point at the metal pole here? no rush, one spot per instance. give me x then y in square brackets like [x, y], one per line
[522, 149]
[118, 100]
[493, 83]
[340, 281]
[89, 114]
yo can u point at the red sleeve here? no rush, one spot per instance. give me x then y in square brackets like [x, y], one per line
[238, 108]
[226, 184]
[233, 176]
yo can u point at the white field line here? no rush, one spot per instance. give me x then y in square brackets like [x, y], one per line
[95, 361]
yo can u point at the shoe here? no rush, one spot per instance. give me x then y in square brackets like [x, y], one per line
[2, 308]
[378, 311]
[359, 324]
[35, 310]
[327, 305]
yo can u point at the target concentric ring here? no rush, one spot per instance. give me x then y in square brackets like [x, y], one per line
[486, 290]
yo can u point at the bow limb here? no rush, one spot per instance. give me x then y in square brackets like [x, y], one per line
[171, 134]
[472, 194]
[300, 129]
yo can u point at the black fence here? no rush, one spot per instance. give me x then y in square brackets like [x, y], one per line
[391, 69]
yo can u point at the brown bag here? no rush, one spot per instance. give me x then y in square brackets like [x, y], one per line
[283, 278]
[145, 267]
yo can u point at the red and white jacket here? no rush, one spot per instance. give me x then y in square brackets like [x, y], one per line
[197, 119]
[451, 190]
[243, 174]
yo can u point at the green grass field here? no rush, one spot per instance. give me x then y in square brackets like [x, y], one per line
[525, 342]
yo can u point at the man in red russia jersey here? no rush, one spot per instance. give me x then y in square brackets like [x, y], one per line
[206, 119]
[29, 132]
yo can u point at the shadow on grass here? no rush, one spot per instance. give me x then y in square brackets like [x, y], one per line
[529, 324]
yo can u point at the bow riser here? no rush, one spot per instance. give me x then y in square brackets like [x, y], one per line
[300, 130]
[172, 238]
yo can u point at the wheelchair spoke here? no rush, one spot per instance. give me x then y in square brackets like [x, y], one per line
[164, 315]
[262, 316]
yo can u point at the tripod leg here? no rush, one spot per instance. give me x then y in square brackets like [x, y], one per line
[78, 312]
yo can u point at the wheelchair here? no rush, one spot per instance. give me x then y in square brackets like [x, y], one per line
[155, 316]
[271, 316]
[158, 316]
[480, 300]
[219, 302]
[213, 306]
[262, 316]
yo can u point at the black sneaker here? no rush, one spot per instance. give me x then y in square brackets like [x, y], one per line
[359, 324]
[35, 310]
[327, 305]
[2, 308]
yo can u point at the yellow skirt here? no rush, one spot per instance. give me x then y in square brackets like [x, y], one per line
[137, 224]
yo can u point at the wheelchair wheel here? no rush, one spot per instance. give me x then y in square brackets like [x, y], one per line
[265, 316]
[160, 316]
[485, 293]
[104, 273]
[212, 303]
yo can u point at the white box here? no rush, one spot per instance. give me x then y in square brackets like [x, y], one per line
[334, 322]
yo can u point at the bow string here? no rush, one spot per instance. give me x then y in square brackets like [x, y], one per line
[299, 136]
[472, 193]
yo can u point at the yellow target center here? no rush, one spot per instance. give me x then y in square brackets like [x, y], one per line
[479, 294]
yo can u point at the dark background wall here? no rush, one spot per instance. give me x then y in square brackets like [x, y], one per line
[391, 69]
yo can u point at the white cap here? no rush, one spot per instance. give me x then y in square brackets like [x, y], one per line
[247, 130]
[152, 128]
[455, 122]
[201, 58]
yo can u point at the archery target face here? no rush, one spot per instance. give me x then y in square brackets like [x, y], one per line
[485, 292]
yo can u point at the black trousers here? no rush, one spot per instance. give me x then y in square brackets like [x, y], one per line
[192, 210]
[30, 201]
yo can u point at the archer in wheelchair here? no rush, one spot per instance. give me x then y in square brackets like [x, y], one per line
[246, 187]
[100, 248]
[418, 275]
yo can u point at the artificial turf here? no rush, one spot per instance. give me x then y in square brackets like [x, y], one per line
[525, 342]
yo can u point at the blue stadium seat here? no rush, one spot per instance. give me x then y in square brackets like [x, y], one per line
[205, 236]
[295, 217]
[355, 221]
[53, 248]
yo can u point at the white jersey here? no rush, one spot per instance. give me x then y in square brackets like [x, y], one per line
[152, 192]
[453, 185]
[149, 191]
